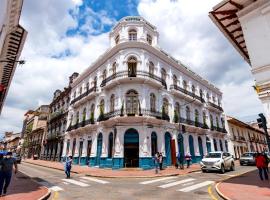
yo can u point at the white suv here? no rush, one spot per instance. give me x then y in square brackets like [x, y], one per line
[218, 161]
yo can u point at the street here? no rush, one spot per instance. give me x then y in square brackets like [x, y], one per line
[196, 185]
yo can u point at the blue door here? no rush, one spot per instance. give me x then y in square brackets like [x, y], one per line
[208, 145]
[200, 146]
[131, 148]
[99, 148]
[180, 141]
[191, 147]
[168, 149]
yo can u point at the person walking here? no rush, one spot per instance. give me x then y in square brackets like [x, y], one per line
[188, 159]
[6, 168]
[266, 161]
[156, 162]
[68, 165]
[181, 160]
[160, 159]
[260, 164]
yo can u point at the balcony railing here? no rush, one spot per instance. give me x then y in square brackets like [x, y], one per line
[193, 123]
[215, 128]
[89, 91]
[124, 74]
[184, 91]
[215, 106]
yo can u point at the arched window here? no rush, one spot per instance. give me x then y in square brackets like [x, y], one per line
[197, 115]
[191, 146]
[149, 39]
[87, 86]
[174, 80]
[132, 66]
[219, 102]
[110, 145]
[114, 68]
[163, 74]
[132, 35]
[104, 74]
[211, 121]
[77, 117]
[187, 113]
[80, 92]
[166, 106]
[193, 89]
[204, 119]
[151, 68]
[152, 102]
[101, 106]
[215, 145]
[185, 84]
[132, 102]
[217, 122]
[116, 39]
[112, 99]
[177, 109]
[207, 97]
[201, 94]
[84, 115]
[153, 143]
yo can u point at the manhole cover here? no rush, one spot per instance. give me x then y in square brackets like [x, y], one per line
[200, 192]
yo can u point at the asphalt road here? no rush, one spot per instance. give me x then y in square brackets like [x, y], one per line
[194, 186]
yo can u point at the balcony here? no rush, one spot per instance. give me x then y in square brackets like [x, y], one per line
[140, 76]
[218, 129]
[214, 106]
[193, 123]
[186, 94]
[86, 94]
[57, 114]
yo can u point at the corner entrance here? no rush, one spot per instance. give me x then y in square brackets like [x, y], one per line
[131, 148]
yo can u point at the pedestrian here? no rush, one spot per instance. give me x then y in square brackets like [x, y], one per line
[156, 162]
[188, 159]
[266, 161]
[6, 168]
[160, 159]
[68, 165]
[260, 164]
[181, 160]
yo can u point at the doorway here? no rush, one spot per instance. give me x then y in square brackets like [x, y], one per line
[131, 148]
[99, 148]
[80, 151]
[168, 149]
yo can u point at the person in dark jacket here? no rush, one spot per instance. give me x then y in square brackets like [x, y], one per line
[68, 165]
[266, 161]
[188, 159]
[260, 164]
[180, 159]
[160, 159]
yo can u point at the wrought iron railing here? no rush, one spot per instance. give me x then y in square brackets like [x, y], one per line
[215, 106]
[124, 74]
[89, 91]
[193, 123]
[184, 91]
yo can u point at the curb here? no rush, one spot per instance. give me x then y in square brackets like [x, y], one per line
[219, 192]
[100, 176]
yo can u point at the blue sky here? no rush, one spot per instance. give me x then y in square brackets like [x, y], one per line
[68, 35]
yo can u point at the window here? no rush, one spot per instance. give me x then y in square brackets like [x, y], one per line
[132, 102]
[197, 115]
[153, 143]
[132, 66]
[163, 74]
[104, 74]
[92, 111]
[74, 95]
[80, 91]
[73, 147]
[177, 109]
[110, 145]
[185, 84]
[84, 115]
[193, 89]
[214, 99]
[87, 86]
[101, 106]
[187, 113]
[151, 68]
[201, 93]
[71, 119]
[116, 39]
[204, 118]
[207, 97]
[114, 68]
[211, 121]
[112, 103]
[132, 35]
[166, 106]
[174, 80]
[77, 118]
[152, 102]
[149, 39]
[217, 122]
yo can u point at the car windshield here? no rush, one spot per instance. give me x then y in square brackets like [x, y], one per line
[213, 155]
[247, 155]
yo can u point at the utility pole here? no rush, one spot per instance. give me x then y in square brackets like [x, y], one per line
[262, 123]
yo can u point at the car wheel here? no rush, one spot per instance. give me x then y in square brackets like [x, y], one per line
[222, 169]
[232, 167]
[203, 171]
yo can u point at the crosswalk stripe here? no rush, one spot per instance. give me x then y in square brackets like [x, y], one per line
[157, 180]
[95, 180]
[56, 188]
[176, 183]
[196, 186]
[76, 182]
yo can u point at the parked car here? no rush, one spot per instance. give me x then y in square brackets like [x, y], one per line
[17, 157]
[218, 161]
[248, 158]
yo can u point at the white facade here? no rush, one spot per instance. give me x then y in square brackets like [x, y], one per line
[132, 96]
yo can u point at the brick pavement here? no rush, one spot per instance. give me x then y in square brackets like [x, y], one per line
[247, 186]
[97, 172]
[24, 188]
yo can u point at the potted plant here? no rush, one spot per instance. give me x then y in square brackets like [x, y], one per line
[176, 117]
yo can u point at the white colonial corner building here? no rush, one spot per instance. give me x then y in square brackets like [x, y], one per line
[136, 100]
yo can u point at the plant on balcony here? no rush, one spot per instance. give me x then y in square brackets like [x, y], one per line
[101, 114]
[175, 117]
[122, 110]
[92, 120]
[164, 114]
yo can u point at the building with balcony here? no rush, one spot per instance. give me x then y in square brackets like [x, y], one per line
[11, 142]
[34, 131]
[136, 100]
[57, 122]
[243, 137]
[12, 38]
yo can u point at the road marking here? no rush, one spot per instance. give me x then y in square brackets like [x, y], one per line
[196, 186]
[176, 183]
[56, 188]
[198, 172]
[95, 180]
[55, 196]
[190, 183]
[157, 180]
[66, 183]
[76, 182]
[210, 193]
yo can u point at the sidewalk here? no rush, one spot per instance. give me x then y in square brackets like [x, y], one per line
[23, 188]
[247, 186]
[109, 173]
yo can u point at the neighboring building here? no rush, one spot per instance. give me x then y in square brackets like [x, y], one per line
[246, 24]
[126, 106]
[57, 122]
[12, 38]
[12, 141]
[34, 131]
[242, 137]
